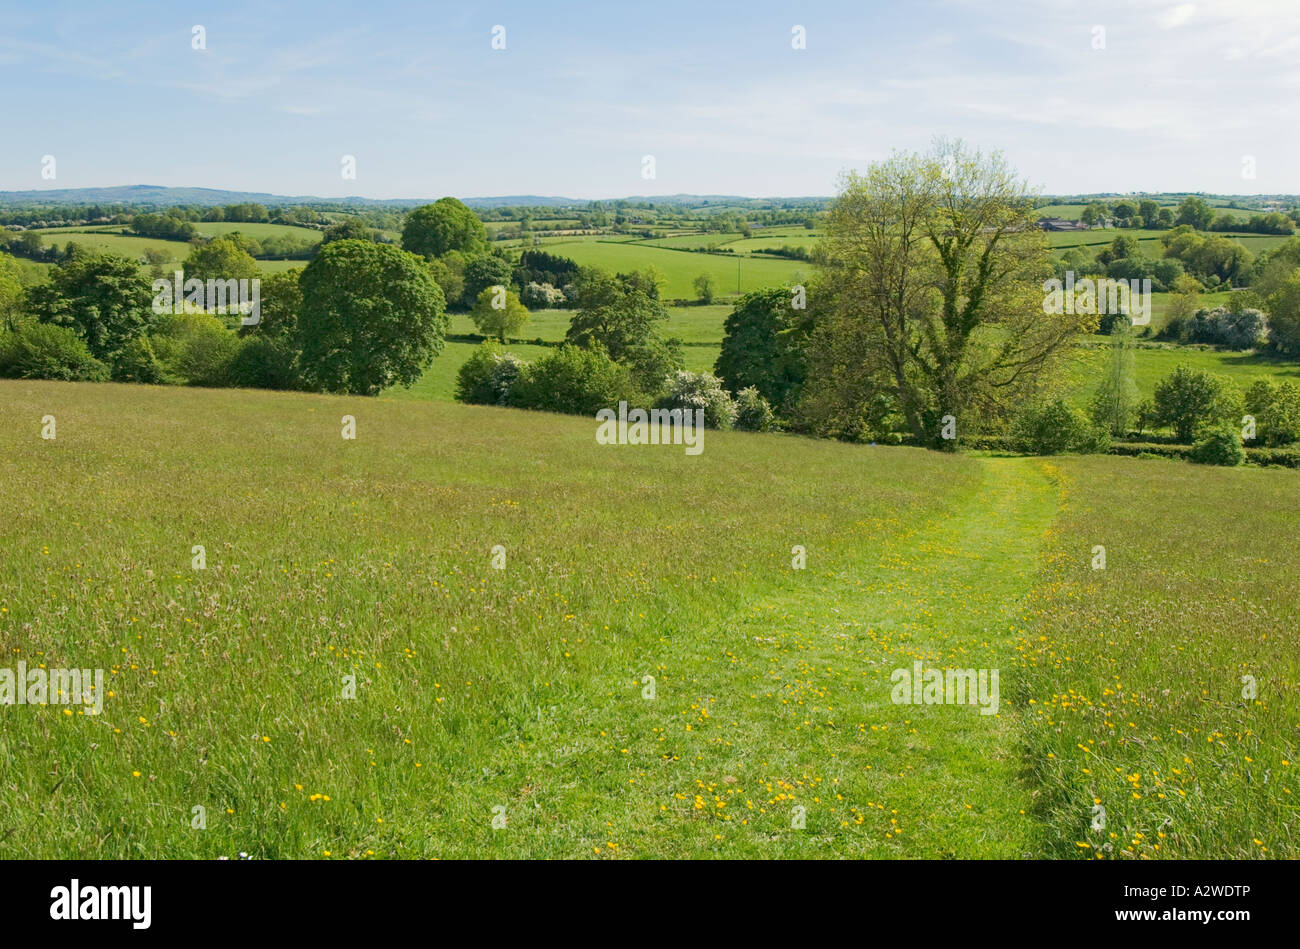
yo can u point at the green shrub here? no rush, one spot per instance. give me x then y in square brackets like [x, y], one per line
[1150, 449]
[1053, 428]
[979, 441]
[700, 390]
[265, 363]
[1113, 324]
[137, 362]
[46, 351]
[1281, 457]
[1218, 445]
[753, 414]
[488, 377]
[195, 348]
[1276, 410]
[574, 380]
[208, 358]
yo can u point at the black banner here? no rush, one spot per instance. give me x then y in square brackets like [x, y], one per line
[239, 898]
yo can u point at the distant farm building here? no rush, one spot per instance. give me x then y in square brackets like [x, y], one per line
[1060, 224]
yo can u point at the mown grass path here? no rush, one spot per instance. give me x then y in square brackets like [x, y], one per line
[787, 705]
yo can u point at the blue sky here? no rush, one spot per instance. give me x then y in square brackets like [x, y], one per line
[1179, 96]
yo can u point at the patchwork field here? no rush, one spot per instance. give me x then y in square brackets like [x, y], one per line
[523, 694]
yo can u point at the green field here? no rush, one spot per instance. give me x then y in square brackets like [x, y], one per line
[279, 266]
[1136, 671]
[439, 381]
[123, 244]
[1068, 212]
[1153, 361]
[128, 245]
[699, 328]
[680, 267]
[765, 241]
[522, 693]
[691, 324]
[30, 272]
[691, 241]
[257, 230]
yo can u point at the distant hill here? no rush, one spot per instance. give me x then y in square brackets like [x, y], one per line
[523, 201]
[161, 196]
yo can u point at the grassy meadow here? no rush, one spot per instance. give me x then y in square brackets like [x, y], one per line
[1133, 674]
[523, 694]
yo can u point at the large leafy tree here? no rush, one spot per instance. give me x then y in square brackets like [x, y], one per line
[497, 311]
[13, 299]
[763, 345]
[279, 303]
[434, 229]
[1194, 212]
[350, 228]
[371, 317]
[1188, 399]
[1271, 269]
[449, 273]
[106, 299]
[614, 312]
[618, 314]
[933, 295]
[1284, 315]
[482, 271]
[1094, 213]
